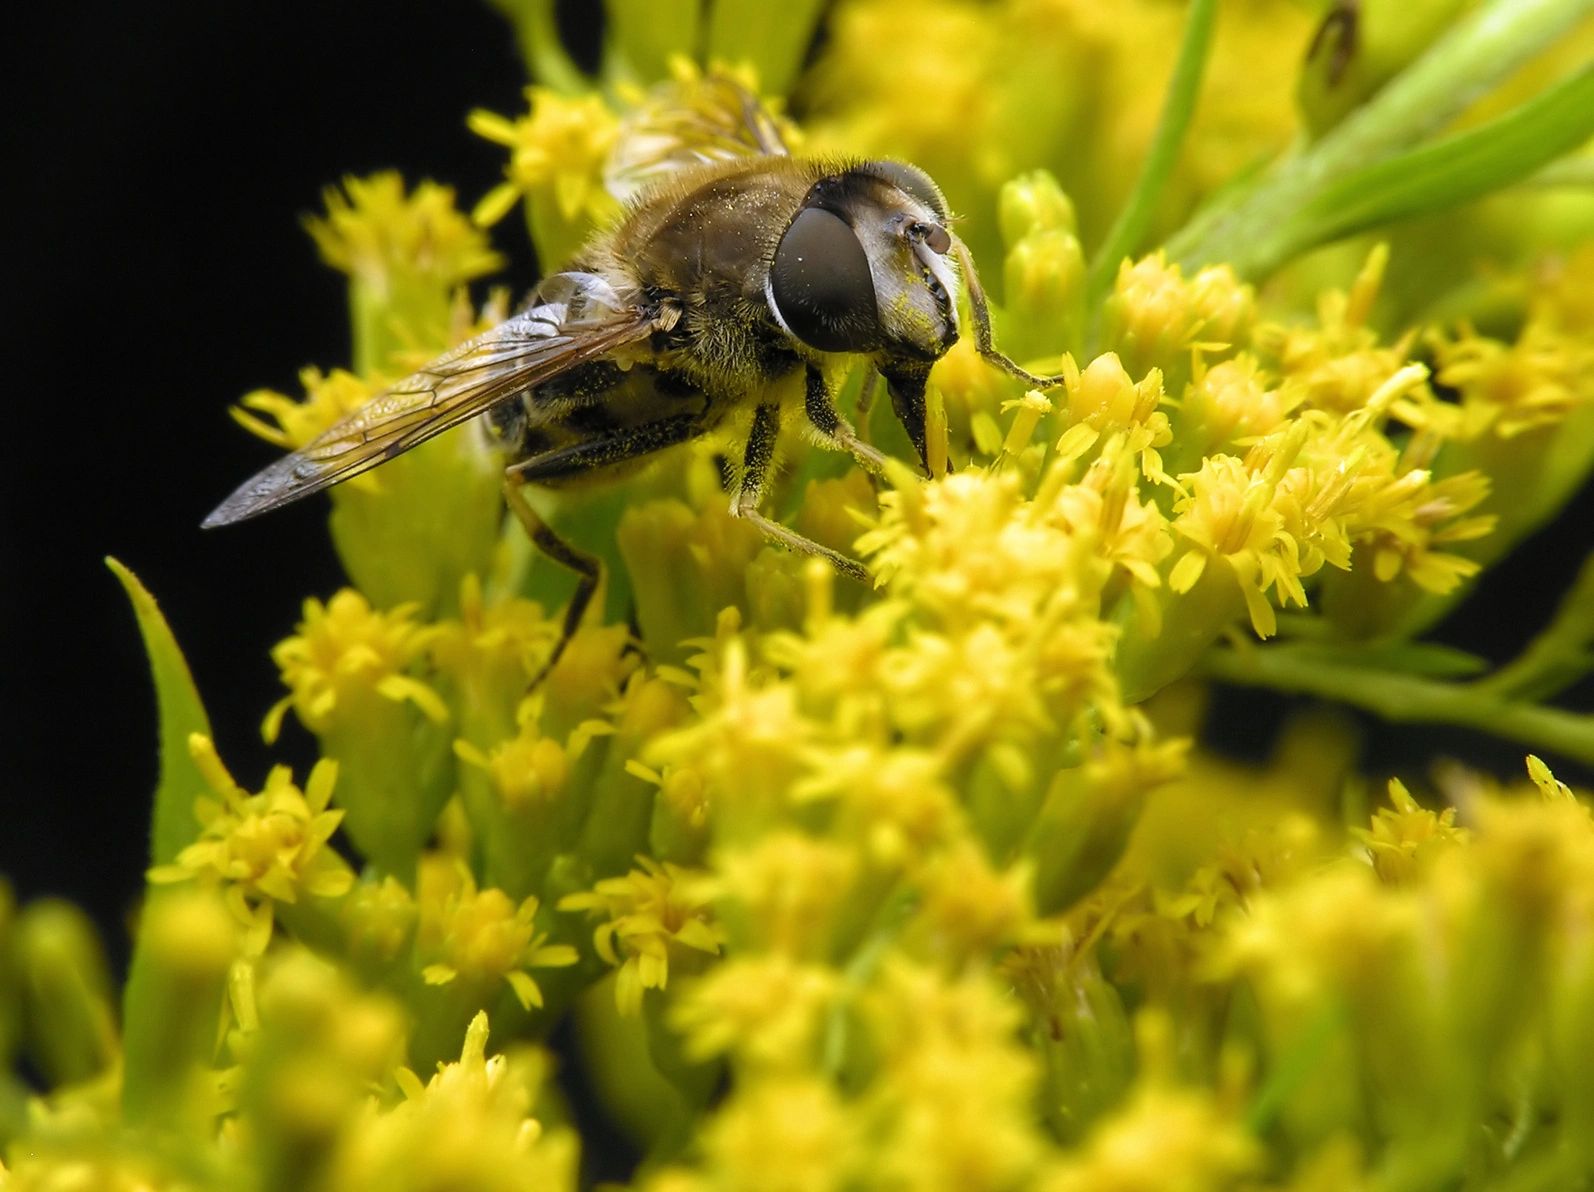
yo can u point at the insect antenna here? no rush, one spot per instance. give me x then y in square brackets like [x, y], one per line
[983, 341]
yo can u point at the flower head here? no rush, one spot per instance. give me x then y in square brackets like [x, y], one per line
[346, 655]
[262, 848]
[481, 936]
[653, 913]
[389, 240]
[557, 154]
[1405, 837]
[469, 1127]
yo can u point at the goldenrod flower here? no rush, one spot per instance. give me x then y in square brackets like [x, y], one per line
[470, 1126]
[948, 1104]
[347, 654]
[263, 848]
[1339, 930]
[1404, 838]
[1160, 1135]
[1510, 389]
[970, 907]
[787, 1134]
[767, 1010]
[1102, 399]
[1229, 518]
[486, 657]
[524, 769]
[557, 154]
[559, 147]
[1235, 399]
[373, 231]
[480, 936]
[379, 921]
[1411, 515]
[652, 912]
[1339, 364]
[315, 1044]
[1156, 316]
[932, 884]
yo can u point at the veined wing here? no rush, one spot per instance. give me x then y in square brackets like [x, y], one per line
[575, 318]
[685, 123]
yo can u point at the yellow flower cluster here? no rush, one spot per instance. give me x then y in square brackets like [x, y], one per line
[263, 849]
[921, 883]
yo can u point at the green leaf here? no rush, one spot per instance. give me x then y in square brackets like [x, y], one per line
[1451, 171]
[180, 957]
[1254, 228]
[180, 712]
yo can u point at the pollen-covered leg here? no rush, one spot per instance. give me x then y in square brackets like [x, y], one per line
[587, 569]
[756, 463]
[820, 404]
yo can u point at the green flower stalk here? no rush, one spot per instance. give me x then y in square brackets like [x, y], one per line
[926, 882]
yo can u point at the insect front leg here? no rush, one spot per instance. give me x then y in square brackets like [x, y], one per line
[588, 570]
[820, 405]
[757, 461]
[907, 384]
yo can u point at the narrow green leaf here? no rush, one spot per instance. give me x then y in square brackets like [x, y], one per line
[1451, 171]
[180, 713]
[1178, 106]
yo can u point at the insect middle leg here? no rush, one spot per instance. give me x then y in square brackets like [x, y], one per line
[756, 463]
[612, 447]
[820, 405]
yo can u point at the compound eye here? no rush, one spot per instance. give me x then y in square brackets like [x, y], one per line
[912, 180]
[821, 284]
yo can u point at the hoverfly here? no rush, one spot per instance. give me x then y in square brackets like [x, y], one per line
[739, 283]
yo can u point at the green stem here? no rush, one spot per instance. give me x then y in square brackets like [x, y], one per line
[537, 34]
[1460, 67]
[1178, 106]
[1406, 698]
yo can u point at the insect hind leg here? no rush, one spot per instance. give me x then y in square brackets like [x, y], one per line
[587, 569]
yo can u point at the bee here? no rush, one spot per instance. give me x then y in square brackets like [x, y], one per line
[736, 289]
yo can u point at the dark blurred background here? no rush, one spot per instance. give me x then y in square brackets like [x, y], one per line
[159, 159]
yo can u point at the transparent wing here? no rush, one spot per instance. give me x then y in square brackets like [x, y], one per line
[573, 318]
[689, 122]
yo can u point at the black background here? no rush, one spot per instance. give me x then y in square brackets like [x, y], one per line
[157, 162]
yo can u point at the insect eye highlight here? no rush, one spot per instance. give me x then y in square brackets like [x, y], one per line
[822, 286]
